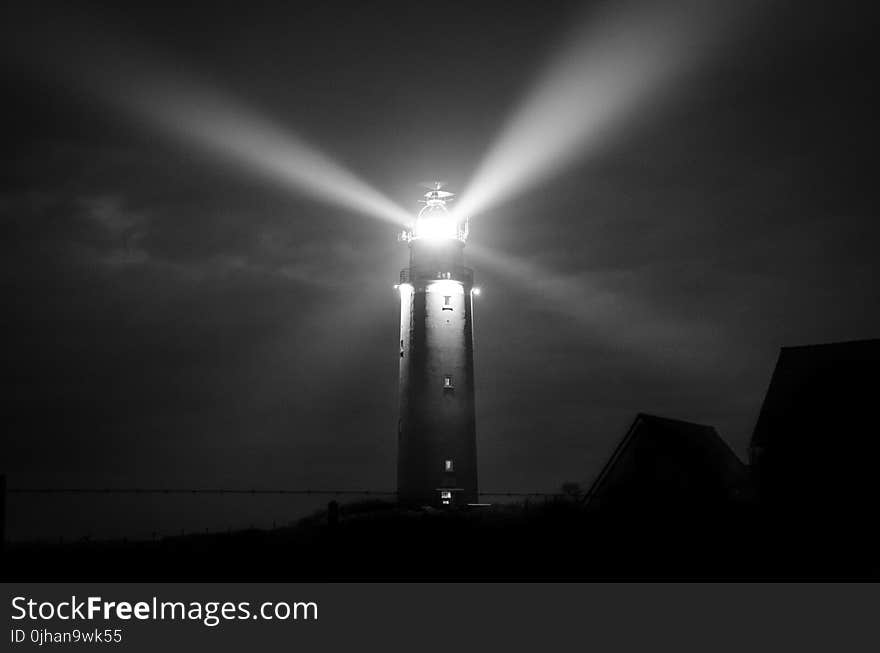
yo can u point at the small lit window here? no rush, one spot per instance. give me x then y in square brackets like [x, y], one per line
[447, 302]
[447, 381]
[445, 494]
[448, 466]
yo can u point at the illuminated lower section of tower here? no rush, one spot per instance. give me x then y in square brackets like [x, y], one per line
[437, 448]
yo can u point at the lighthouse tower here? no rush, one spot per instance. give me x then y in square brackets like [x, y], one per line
[437, 448]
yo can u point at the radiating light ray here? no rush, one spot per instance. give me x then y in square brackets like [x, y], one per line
[608, 69]
[157, 92]
[220, 125]
[620, 321]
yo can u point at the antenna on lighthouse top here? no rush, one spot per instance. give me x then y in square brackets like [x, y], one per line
[436, 196]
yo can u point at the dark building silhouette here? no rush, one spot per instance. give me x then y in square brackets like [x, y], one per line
[437, 449]
[816, 444]
[666, 465]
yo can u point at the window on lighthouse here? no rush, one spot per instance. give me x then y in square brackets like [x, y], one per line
[447, 381]
[447, 302]
[448, 466]
[446, 497]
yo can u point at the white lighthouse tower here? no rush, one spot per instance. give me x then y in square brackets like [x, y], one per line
[437, 448]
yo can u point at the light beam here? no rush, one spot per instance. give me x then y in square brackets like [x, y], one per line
[220, 125]
[611, 65]
[154, 91]
[620, 321]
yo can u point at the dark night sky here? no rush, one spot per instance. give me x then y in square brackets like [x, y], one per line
[173, 317]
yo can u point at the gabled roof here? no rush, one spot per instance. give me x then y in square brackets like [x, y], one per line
[657, 450]
[815, 443]
[816, 381]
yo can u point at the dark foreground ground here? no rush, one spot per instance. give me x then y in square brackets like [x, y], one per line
[556, 540]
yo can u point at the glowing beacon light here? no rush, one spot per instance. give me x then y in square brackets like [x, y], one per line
[437, 449]
[435, 224]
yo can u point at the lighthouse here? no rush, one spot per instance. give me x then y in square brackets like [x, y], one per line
[437, 448]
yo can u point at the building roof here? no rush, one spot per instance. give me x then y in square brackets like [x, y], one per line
[668, 460]
[813, 381]
[815, 439]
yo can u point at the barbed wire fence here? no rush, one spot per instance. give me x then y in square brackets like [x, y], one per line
[6, 491]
